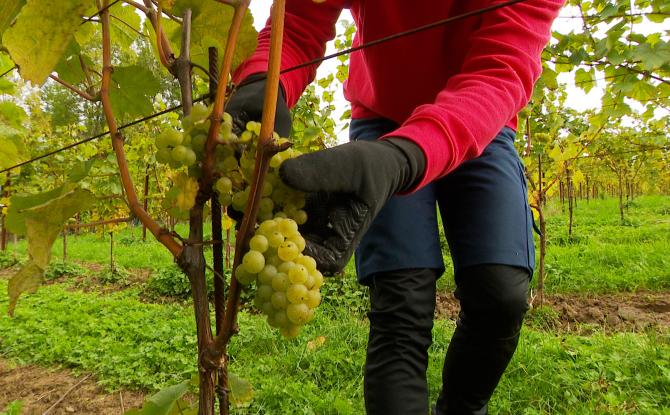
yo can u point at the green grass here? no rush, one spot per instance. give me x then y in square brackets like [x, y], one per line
[604, 255]
[128, 343]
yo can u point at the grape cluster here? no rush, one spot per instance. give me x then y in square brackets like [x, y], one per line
[287, 282]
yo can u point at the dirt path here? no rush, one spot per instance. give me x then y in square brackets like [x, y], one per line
[573, 312]
[40, 388]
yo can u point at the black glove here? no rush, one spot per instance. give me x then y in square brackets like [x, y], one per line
[346, 187]
[247, 105]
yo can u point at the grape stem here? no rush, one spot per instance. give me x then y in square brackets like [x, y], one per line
[266, 148]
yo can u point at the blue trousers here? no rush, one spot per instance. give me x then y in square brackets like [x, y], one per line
[484, 210]
[488, 225]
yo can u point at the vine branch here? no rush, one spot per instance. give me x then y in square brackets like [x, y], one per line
[117, 142]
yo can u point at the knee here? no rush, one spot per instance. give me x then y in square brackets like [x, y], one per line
[494, 297]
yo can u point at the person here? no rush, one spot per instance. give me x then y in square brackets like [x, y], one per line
[433, 123]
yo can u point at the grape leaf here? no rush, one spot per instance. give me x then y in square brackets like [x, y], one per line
[69, 67]
[8, 11]
[80, 170]
[11, 146]
[209, 27]
[19, 203]
[124, 24]
[42, 32]
[43, 223]
[162, 402]
[133, 88]
[12, 115]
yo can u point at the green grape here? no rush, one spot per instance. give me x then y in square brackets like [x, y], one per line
[318, 279]
[169, 138]
[307, 261]
[280, 282]
[298, 274]
[297, 313]
[190, 157]
[267, 273]
[297, 293]
[179, 153]
[264, 215]
[281, 319]
[243, 276]
[276, 160]
[230, 163]
[288, 251]
[253, 261]
[254, 127]
[264, 292]
[164, 155]
[246, 136]
[225, 133]
[227, 118]
[286, 266]
[199, 112]
[224, 185]
[279, 300]
[267, 189]
[288, 227]
[275, 239]
[272, 259]
[198, 143]
[267, 308]
[290, 331]
[266, 205]
[309, 282]
[271, 321]
[313, 299]
[187, 123]
[280, 215]
[240, 201]
[259, 243]
[267, 227]
[299, 241]
[300, 217]
[259, 302]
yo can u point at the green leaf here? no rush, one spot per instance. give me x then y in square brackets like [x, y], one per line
[652, 57]
[28, 279]
[585, 79]
[210, 24]
[12, 115]
[69, 67]
[11, 146]
[124, 24]
[80, 171]
[19, 204]
[43, 222]
[133, 88]
[162, 402]
[8, 11]
[42, 32]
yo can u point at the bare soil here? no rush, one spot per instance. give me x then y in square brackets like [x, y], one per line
[39, 389]
[578, 312]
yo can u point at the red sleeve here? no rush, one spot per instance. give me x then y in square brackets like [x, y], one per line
[495, 83]
[307, 28]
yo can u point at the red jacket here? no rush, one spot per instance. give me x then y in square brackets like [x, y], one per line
[452, 88]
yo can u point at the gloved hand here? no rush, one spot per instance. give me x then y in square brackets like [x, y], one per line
[247, 105]
[346, 187]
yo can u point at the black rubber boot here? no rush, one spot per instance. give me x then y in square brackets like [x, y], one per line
[493, 303]
[402, 304]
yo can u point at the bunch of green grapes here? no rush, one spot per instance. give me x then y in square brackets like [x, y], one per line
[181, 196]
[287, 282]
[236, 158]
[187, 147]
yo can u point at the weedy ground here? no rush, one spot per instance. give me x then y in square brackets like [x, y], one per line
[600, 344]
